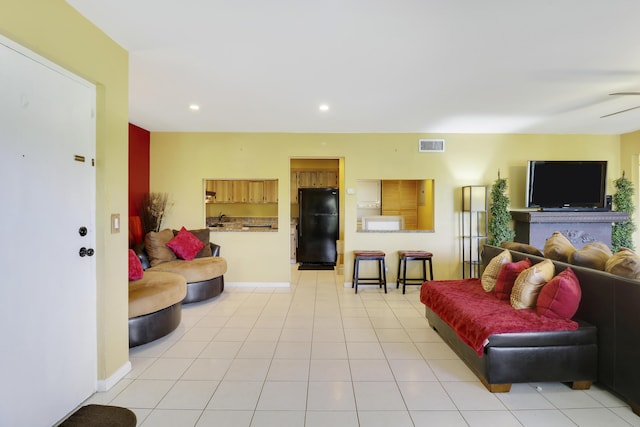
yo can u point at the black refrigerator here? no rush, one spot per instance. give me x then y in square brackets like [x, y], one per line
[317, 226]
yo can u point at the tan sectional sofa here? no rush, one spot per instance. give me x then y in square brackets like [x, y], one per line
[155, 306]
[155, 300]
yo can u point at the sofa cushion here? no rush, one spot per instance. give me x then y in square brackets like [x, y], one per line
[155, 291]
[491, 271]
[135, 266]
[591, 255]
[196, 270]
[155, 243]
[625, 263]
[185, 245]
[557, 247]
[560, 297]
[529, 283]
[203, 234]
[507, 277]
[521, 247]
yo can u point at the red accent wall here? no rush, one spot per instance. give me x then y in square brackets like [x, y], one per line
[139, 142]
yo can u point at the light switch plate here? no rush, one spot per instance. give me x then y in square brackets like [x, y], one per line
[115, 223]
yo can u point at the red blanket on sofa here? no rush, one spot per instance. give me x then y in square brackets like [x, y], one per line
[475, 314]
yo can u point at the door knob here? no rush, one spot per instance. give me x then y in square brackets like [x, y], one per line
[86, 252]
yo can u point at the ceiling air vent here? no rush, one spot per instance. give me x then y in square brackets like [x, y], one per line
[431, 145]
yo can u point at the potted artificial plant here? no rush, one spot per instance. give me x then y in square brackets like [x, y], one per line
[500, 218]
[622, 232]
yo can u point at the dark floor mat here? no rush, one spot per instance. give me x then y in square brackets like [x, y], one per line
[315, 267]
[101, 416]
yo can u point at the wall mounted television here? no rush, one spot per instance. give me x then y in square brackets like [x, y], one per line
[566, 184]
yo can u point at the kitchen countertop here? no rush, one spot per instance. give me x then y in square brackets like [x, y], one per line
[243, 224]
[244, 228]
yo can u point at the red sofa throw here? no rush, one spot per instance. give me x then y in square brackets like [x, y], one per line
[475, 314]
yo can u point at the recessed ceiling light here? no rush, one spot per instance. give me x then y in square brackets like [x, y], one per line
[194, 107]
[324, 107]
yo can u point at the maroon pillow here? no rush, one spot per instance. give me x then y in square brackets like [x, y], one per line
[185, 245]
[507, 277]
[560, 297]
[135, 266]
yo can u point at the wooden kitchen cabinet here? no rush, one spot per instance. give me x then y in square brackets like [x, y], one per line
[312, 179]
[223, 190]
[240, 191]
[400, 197]
[255, 191]
[326, 179]
[271, 191]
[307, 179]
[294, 187]
[317, 179]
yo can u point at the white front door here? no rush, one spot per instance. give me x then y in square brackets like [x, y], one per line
[48, 291]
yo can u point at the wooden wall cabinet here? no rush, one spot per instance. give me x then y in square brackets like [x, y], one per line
[223, 190]
[400, 197]
[270, 191]
[255, 191]
[312, 179]
[242, 191]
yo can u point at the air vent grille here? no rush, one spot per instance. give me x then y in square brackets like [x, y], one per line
[431, 145]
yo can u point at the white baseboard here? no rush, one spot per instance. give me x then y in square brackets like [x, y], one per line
[106, 384]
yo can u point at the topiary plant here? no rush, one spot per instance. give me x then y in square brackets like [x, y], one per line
[500, 218]
[622, 232]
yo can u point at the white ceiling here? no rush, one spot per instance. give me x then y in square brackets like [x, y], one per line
[437, 66]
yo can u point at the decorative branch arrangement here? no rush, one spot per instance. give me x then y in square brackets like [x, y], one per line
[622, 232]
[500, 219]
[153, 210]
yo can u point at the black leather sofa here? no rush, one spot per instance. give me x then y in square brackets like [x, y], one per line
[520, 357]
[612, 304]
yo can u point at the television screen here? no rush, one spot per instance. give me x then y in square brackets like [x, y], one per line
[566, 184]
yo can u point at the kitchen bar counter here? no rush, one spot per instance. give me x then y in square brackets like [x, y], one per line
[243, 228]
[244, 224]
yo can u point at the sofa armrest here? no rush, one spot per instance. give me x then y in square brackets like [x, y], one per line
[215, 249]
[142, 254]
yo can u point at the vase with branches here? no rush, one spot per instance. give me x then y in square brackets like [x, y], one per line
[153, 209]
[500, 218]
[622, 232]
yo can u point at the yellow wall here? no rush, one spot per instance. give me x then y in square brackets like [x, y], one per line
[630, 164]
[426, 211]
[179, 161]
[53, 29]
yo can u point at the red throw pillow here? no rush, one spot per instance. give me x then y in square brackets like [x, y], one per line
[507, 277]
[185, 244]
[560, 297]
[135, 266]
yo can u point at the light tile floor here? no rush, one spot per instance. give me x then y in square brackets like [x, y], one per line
[317, 355]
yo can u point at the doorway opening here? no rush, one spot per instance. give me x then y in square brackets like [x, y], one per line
[309, 173]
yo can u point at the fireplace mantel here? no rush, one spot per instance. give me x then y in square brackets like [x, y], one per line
[580, 227]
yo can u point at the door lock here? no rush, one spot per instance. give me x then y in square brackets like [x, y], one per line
[82, 231]
[86, 252]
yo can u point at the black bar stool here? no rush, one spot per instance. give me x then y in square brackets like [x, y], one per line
[407, 256]
[380, 280]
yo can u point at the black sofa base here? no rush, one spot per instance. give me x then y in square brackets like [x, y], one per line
[149, 327]
[563, 356]
[200, 291]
